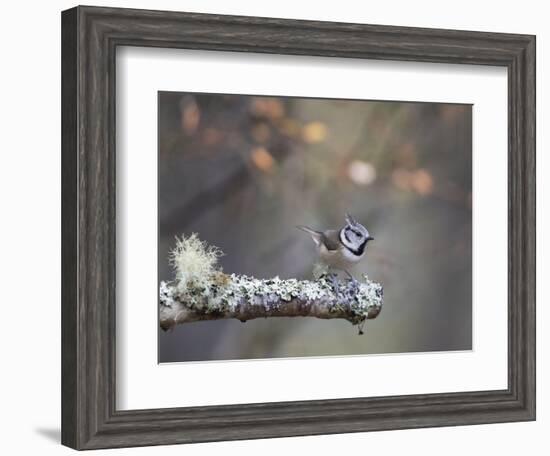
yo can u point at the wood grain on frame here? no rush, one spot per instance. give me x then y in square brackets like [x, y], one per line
[90, 36]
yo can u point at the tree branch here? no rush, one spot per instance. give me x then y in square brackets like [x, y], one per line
[246, 298]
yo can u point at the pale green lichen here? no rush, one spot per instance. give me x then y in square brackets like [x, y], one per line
[249, 289]
[370, 292]
[166, 294]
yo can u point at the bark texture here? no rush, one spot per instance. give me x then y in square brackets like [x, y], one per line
[246, 298]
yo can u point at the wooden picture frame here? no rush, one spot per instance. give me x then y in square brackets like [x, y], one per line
[90, 37]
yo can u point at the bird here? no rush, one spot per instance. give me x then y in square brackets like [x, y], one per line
[343, 248]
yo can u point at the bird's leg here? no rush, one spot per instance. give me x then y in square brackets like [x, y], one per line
[333, 279]
[353, 282]
[350, 276]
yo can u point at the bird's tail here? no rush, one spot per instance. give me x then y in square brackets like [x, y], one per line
[315, 235]
[307, 230]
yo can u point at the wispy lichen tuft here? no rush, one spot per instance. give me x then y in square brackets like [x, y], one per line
[195, 262]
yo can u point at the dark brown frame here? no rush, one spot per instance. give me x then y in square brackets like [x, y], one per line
[90, 36]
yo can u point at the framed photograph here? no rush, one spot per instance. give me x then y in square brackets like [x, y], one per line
[280, 228]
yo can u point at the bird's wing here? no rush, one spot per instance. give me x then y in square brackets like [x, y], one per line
[315, 235]
[331, 239]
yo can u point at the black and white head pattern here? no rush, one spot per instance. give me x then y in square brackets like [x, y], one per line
[354, 236]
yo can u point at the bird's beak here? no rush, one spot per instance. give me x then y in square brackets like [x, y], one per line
[370, 238]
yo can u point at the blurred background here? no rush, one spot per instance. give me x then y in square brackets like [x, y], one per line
[243, 171]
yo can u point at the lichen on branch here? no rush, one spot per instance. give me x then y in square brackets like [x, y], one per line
[201, 291]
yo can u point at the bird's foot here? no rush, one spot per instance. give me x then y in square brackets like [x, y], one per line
[353, 284]
[333, 279]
